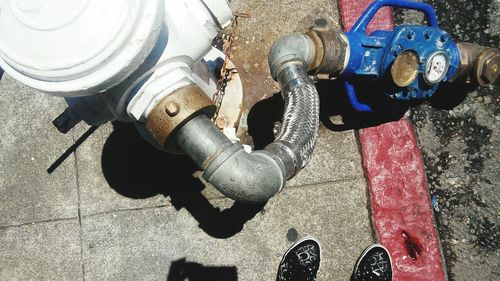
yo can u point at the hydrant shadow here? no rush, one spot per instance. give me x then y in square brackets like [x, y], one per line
[137, 170]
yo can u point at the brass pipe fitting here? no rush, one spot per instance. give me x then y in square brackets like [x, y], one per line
[332, 49]
[478, 65]
[319, 51]
[487, 68]
[175, 110]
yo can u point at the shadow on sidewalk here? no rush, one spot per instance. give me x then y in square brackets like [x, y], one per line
[337, 114]
[181, 270]
[137, 170]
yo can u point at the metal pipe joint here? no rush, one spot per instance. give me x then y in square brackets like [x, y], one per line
[246, 177]
[335, 52]
[320, 51]
[257, 176]
[478, 64]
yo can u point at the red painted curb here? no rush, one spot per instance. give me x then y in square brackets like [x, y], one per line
[401, 207]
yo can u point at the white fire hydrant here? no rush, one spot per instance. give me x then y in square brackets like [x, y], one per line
[113, 59]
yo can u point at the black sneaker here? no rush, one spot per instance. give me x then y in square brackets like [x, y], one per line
[301, 261]
[374, 264]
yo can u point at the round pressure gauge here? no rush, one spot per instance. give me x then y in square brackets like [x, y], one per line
[437, 67]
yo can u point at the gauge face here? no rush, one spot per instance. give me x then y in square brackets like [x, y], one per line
[436, 68]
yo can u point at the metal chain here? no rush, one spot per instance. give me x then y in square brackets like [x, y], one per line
[226, 73]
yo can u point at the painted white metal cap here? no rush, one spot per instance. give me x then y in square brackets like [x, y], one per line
[221, 11]
[76, 47]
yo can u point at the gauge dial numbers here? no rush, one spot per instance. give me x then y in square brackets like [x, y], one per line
[436, 68]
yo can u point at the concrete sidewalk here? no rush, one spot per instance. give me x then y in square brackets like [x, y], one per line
[117, 209]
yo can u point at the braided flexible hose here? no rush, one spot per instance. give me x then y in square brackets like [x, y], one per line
[259, 175]
[301, 121]
[295, 143]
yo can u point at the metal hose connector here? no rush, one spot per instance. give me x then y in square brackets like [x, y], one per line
[296, 141]
[256, 177]
[289, 59]
[246, 177]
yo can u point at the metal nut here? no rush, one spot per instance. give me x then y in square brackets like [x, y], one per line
[488, 67]
[319, 50]
[172, 108]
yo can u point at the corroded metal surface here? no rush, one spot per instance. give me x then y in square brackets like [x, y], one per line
[478, 64]
[176, 109]
[469, 52]
[268, 22]
[405, 68]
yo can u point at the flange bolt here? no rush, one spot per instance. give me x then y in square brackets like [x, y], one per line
[172, 108]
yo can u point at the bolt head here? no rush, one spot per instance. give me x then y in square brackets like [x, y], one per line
[221, 122]
[488, 67]
[397, 49]
[172, 109]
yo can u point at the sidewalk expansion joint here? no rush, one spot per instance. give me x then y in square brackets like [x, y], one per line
[347, 179]
[37, 222]
[218, 198]
[110, 212]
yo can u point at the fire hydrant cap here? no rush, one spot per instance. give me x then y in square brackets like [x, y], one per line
[76, 47]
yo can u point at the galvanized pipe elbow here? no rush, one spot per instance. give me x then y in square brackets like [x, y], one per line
[246, 177]
[297, 47]
[258, 176]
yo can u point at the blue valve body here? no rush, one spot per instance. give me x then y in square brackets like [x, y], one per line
[372, 56]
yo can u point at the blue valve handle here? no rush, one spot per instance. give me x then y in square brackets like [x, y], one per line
[353, 99]
[367, 16]
[362, 23]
